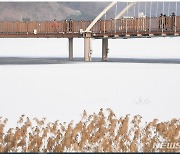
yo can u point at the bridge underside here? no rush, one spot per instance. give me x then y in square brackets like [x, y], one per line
[93, 35]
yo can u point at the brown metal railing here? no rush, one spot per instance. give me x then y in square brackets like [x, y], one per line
[125, 25]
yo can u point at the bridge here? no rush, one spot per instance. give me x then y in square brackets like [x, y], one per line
[118, 27]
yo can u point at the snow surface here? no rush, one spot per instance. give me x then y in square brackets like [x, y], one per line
[63, 91]
[119, 48]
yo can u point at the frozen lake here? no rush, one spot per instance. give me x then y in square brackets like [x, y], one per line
[62, 91]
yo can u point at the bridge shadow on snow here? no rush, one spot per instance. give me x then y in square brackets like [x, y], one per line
[40, 61]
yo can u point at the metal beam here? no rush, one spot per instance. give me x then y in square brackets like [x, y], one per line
[125, 10]
[100, 15]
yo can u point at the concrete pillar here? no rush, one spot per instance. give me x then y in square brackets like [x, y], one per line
[70, 48]
[87, 47]
[104, 49]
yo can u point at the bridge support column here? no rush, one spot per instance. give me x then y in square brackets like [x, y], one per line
[87, 47]
[104, 49]
[70, 48]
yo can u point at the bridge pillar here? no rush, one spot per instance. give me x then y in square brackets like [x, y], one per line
[87, 47]
[70, 48]
[104, 49]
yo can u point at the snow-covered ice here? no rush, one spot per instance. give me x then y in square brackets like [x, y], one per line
[63, 91]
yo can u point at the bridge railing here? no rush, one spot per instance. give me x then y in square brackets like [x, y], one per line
[131, 26]
[178, 23]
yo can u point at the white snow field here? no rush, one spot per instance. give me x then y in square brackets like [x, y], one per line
[63, 91]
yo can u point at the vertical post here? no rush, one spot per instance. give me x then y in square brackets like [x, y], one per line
[104, 49]
[70, 48]
[175, 28]
[87, 47]
[150, 18]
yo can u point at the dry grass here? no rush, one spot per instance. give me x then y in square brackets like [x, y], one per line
[102, 132]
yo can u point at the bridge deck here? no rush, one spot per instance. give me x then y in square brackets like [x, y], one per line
[126, 27]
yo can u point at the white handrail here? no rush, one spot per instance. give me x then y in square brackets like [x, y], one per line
[100, 15]
[125, 10]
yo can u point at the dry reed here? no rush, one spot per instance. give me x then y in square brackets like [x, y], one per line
[102, 132]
